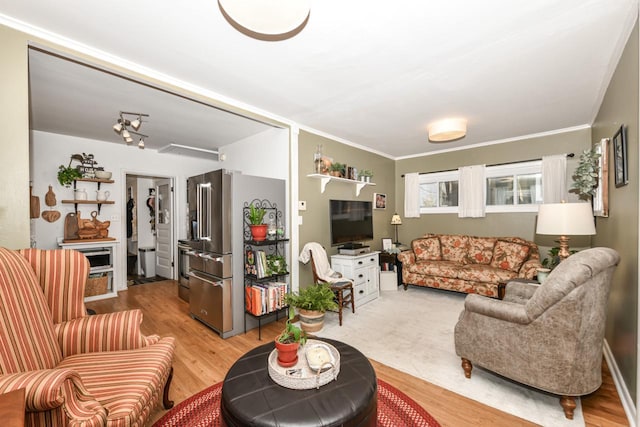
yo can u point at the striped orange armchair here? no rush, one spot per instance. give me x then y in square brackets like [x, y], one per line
[75, 369]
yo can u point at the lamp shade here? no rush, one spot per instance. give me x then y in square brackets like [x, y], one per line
[447, 130]
[396, 220]
[571, 219]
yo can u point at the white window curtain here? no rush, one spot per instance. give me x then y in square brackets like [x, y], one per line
[472, 190]
[554, 178]
[412, 195]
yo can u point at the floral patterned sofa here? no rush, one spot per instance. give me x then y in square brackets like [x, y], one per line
[468, 263]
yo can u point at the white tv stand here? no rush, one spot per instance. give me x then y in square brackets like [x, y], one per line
[363, 270]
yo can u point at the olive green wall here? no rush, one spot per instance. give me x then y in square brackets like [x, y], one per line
[498, 224]
[14, 144]
[620, 229]
[315, 220]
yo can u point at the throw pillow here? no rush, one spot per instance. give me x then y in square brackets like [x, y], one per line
[509, 256]
[454, 247]
[427, 249]
[480, 250]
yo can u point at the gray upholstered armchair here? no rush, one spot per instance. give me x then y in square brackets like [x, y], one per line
[548, 336]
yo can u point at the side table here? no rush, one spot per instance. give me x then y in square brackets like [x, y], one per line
[386, 257]
[12, 408]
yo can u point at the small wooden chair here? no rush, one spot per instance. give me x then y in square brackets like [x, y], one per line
[342, 290]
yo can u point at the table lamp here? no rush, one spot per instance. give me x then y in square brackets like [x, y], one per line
[565, 219]
[396, 220]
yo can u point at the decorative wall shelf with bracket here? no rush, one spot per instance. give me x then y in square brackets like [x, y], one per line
[325, 179]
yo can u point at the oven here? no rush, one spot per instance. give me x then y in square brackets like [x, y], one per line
[183, 270]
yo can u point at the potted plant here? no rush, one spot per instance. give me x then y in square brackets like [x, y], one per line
[365, 175]
[66, 175]
[585, 178]
[312, 302]
[258, 229]
[550, 262]
[337, 169]
[276, 264]
[288, 342]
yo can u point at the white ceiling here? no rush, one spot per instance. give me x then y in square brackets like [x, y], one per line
[366, 71]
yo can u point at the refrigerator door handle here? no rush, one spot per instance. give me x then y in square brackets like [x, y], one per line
[204, 224]
[210, 258]
[199, 210]
[219, 283]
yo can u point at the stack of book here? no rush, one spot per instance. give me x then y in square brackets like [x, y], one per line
[263, 298]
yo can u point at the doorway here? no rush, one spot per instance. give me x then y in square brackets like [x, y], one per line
[149, 228]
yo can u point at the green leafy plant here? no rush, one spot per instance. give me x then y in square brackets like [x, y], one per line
[585, 178]
[365, 172]
[276, 264]
[337, 167]
[553, 259]
[66, 175]
[291, 333]
[256, 214]
[318, 297]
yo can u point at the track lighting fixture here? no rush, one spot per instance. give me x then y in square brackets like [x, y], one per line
[123, 123]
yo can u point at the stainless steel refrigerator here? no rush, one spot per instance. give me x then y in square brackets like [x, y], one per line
[215, 238]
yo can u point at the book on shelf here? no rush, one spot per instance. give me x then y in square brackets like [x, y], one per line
[263, 298]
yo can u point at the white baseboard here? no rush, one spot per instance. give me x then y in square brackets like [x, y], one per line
[621, 386]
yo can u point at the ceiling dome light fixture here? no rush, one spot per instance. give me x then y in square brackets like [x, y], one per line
[447, 130]
[268, 20]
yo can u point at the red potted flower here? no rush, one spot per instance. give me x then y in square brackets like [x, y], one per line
[288, 342]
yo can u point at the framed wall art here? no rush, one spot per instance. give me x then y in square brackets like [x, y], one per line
[379, 201]
[601, 195]
[620, 157]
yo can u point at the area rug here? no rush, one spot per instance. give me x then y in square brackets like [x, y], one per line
[412, 331]
[395, 409]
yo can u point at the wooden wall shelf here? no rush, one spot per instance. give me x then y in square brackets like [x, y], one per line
[325, 179]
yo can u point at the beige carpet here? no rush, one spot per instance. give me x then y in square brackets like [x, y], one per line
[417, 327]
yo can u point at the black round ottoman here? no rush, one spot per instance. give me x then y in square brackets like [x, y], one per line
[251, 398]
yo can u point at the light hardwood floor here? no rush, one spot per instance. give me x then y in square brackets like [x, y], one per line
[202, 358]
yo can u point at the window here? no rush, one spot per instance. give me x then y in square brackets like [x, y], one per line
[439, 192]
[515, 187]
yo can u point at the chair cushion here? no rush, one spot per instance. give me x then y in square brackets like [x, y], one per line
[127, 383]
[435, 268]
[427, 249]
[454, 248]
[480, 250]
[485, 273]
[509, 255]
[27, 339]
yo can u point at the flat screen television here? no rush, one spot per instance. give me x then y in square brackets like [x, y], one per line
[351, 222]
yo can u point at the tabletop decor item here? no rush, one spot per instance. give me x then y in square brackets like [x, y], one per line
[318, 365]
[288, 342]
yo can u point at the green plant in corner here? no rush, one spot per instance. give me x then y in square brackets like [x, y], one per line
[585, 178]
[318, 297]
[256, 214]
[66, 175]
[291, 333]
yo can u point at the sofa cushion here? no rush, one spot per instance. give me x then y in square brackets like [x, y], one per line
[509, 255]
[485, 273]
[427, 249]
[480, 250]
[435, 268]
[454, 248]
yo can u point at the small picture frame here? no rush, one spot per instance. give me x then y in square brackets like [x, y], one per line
[601, 195]
[379, 201]
[620, 163]
[386, 244]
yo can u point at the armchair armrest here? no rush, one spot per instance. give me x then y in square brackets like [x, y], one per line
[529, 268]
[49, 389]
[102, 332]
[407, 257]
[520, 292]
[498, 309]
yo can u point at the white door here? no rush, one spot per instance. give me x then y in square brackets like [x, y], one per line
[164, 227]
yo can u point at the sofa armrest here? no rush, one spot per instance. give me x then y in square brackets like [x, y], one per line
[407, 257]
[102, 332]
[529, 268]
[498, 309]
[49, 389]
